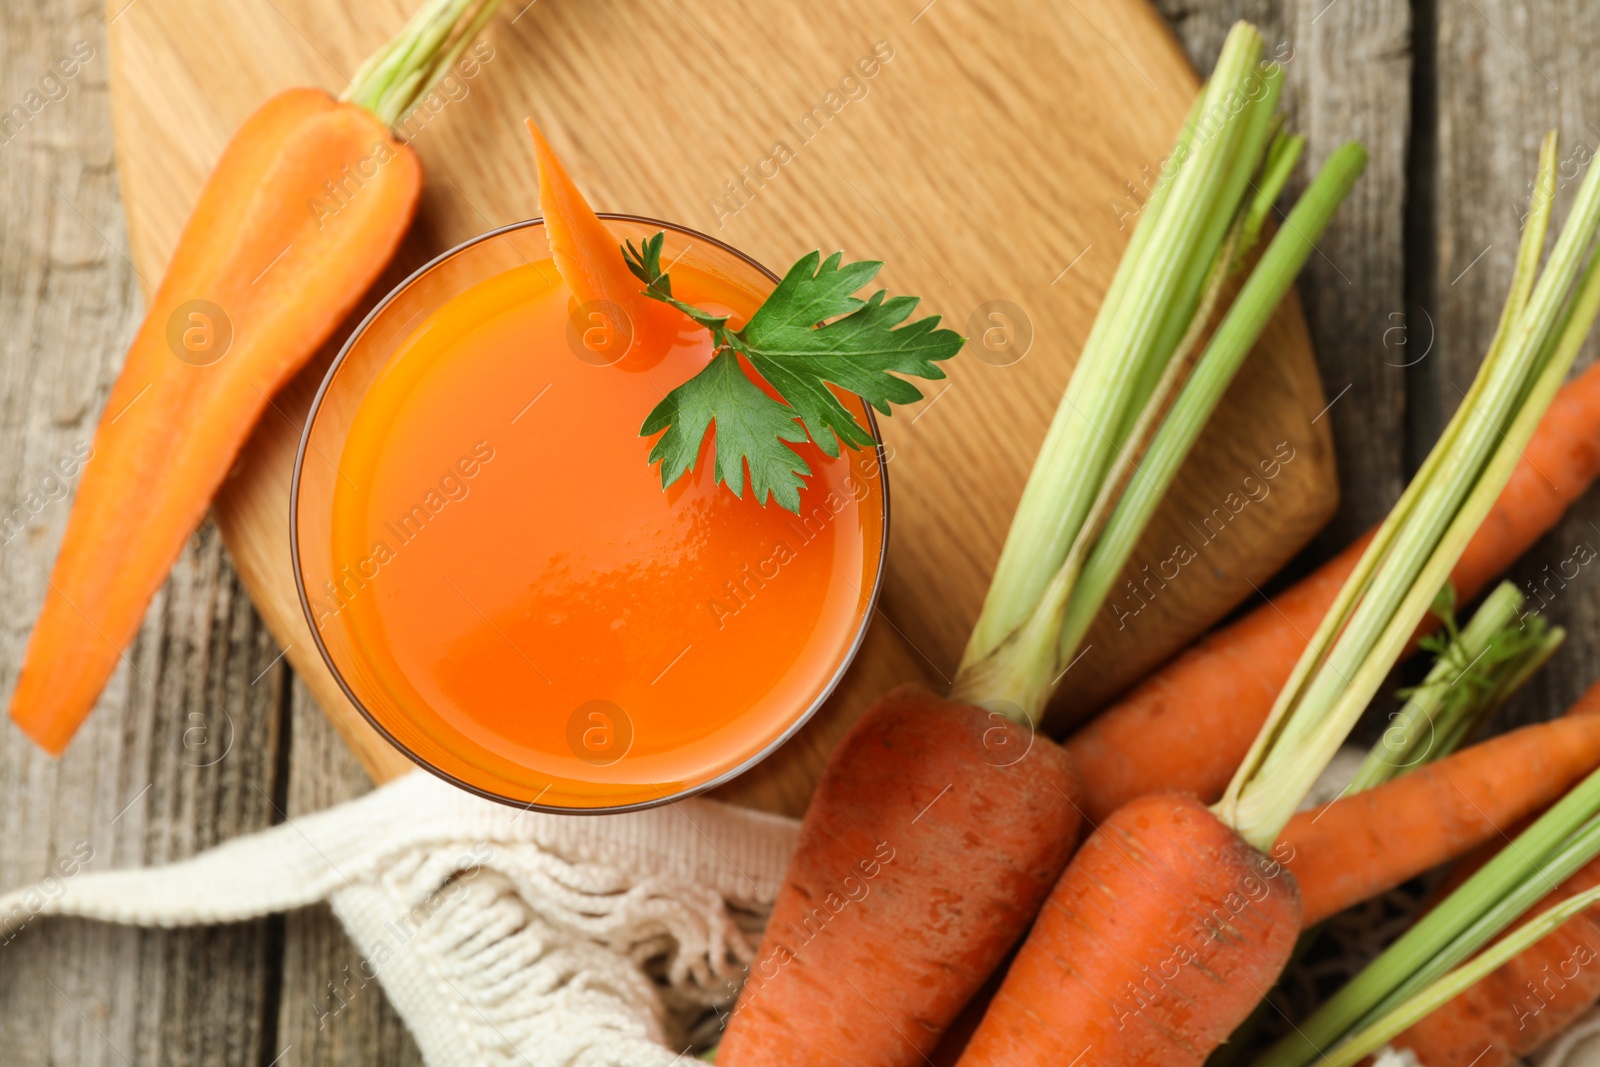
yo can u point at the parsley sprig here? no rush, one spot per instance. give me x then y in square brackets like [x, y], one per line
[810, 333]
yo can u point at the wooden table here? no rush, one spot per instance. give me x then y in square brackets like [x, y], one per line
[1450, 96]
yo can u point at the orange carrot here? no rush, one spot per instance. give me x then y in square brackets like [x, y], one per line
[276, 279]
[1188, 726]
[589, 260]
[924, 854]
[1160, 938]
[304, 210]
[1356, 847]
[1515, 1010]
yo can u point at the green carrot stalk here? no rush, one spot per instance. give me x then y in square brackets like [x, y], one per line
[395, 77]
[1232, 342]
[1281, 159]
[1410, 558]
[1455, 730]
[1145, 384]
[1144, 293]
[1025, 672]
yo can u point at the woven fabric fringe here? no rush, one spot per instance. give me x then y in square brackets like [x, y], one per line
[501, 936]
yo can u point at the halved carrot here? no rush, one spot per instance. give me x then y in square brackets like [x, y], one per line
[1188, 725]
[305, 208]
[1356, 847]
[277, 278]
[934, 835]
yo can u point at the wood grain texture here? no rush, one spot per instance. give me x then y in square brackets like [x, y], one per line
[182, 752]
[969, 157]
[1505, 76]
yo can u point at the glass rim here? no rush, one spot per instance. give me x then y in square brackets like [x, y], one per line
[301, 449]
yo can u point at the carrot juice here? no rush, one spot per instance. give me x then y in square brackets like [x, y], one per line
[520, 604]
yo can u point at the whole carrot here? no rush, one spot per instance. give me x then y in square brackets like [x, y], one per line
[1188, 725]
[1136, 954]
[1359, 846]
[929, 845]
[304, 210]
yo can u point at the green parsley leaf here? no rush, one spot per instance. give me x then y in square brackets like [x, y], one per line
[810, 333]
[750, 426]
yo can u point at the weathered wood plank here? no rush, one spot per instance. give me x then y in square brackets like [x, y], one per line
[1347, 76]
[1505, 75]
[1347, 70]
[181, 752]
[330, 1011]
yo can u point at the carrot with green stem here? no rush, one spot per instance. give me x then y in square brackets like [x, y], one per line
[262, 275]
[1381, 832]
[1172, 921]
[978, 811]
[1189, 724]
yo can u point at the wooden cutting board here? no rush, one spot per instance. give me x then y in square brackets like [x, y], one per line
[993, 155]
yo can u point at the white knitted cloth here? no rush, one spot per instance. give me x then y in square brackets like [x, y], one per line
[501, 936]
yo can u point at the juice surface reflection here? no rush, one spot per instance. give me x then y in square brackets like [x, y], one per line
[531, 613]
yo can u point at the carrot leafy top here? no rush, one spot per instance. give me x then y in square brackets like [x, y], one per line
[812, 332]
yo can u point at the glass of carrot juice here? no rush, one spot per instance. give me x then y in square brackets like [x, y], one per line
[495, 575]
